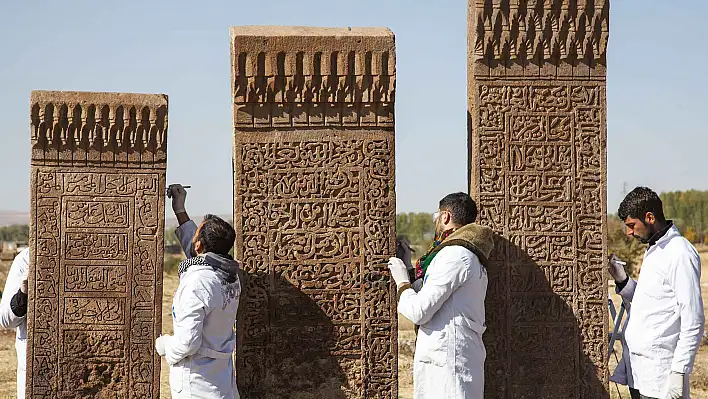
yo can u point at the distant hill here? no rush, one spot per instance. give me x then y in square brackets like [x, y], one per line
[8, 218]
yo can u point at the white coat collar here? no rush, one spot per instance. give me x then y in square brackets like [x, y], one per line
[673, 232]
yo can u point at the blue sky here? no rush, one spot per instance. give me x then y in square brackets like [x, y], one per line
[657, 85]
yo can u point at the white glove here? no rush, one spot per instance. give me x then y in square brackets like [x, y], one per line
[179, 196]
[616, 268]
[398, 271]
[675, 386]
[23, 287]
[160, 344]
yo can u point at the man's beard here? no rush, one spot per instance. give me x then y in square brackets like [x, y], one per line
[650, 234]
[192, 252]
[642, 239]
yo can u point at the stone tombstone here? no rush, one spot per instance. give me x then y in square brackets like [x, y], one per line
[314, 211]
[537, 150]
[97, 221]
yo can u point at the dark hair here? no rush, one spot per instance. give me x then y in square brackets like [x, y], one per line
[461, 206]
[217, 235]
[640, 201]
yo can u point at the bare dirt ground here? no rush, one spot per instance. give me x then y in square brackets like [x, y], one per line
[406, 337]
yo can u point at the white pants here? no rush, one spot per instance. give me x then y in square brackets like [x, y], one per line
[21, 349]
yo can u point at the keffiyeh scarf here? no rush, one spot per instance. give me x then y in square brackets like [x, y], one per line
[187, 263]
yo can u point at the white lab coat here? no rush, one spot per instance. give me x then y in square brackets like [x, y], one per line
[200, 352]
[666, 327]
[449, 354]
[18, 272]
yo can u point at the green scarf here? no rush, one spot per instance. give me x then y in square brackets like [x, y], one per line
[421, 267]
[476, 238]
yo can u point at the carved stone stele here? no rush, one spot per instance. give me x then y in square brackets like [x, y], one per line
[96, 246]
[537, 150]
[314, 211]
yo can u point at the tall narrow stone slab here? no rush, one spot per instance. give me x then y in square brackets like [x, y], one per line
[537, 150]
[97, 217]
[314, 211]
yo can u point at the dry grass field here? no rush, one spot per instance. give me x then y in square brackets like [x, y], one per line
[406, 336]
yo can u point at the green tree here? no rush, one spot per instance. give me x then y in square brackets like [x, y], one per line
[15, 233]
[419, 228]
[688, 210]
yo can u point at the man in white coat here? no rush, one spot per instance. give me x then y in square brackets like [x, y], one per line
[200, 353]
[666, 326]
[449, 308]
[13, 312]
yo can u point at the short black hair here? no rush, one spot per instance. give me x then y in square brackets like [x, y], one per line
[640, 201]
[217, 235]
[461, 206]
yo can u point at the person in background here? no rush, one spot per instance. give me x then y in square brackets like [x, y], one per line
[449, 308]
[13, 312]
[666, 326]
[200, 353]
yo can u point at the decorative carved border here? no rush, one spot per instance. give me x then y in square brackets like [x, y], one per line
[540, 31]
[111, 129]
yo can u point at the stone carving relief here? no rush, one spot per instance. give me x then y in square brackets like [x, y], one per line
[315, 211]
[538, 169]
[97, 197]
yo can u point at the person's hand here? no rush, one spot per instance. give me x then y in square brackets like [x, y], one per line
[160, 344]
[404, 251]
[675, 386]
[398, 271]
[616, 268]
[179, 196]
[23, 286]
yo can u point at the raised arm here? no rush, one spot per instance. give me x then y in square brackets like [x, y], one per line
[187, 228]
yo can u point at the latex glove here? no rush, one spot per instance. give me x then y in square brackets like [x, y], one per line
[398, 271]
[675, 386]
[160, 344]
[616, 269]
[179, 196]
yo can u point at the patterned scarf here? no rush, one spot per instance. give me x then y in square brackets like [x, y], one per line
[185, 264]
[421, 267]
[224, 265]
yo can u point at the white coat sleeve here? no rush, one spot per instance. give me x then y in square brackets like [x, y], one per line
[18, 272]
[449, 272]
[189, 315]
[185, 233]
[627, 293]
[686, 284]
